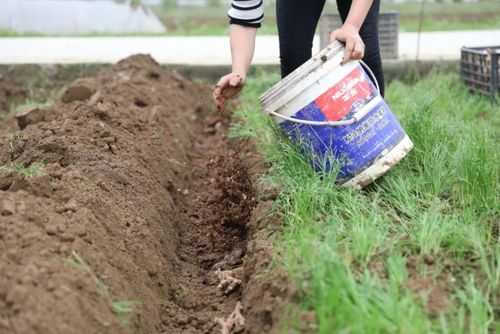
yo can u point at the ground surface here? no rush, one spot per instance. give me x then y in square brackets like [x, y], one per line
[119, 209]
[124, 207]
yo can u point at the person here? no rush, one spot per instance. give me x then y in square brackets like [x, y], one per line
[297, 21]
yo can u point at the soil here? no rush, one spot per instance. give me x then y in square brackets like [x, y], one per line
[138, 214]
[10, 91]
[434, 289]
[41, 82]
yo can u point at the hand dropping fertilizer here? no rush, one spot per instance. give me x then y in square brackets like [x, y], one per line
[338, 118]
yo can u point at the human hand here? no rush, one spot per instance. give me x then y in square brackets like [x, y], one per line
[228, 87]
[354, 46]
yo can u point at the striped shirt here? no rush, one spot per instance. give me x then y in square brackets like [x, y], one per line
[249, 13]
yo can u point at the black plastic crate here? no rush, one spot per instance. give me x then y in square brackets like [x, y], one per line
[388, 28]
[480, 69]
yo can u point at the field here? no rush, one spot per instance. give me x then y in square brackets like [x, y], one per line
[129, 205]
[212, 20]
[436, 17]
[418, 251]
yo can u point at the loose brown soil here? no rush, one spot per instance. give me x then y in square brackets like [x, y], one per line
[138, 215]
[433, 292]
[40, 82]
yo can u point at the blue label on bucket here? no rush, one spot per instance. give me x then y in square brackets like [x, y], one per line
[354, 147]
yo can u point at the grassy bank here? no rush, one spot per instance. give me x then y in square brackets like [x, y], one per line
[417, 252]
[436, 17]
[447, 16]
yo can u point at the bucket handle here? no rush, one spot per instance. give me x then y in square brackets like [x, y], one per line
[354, 119]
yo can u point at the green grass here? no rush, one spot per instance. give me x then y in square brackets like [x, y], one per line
[35, 169]
[437, 17]
[355, 254]
[8, 33]
[123, 309]
[447, 16]
[77, 262]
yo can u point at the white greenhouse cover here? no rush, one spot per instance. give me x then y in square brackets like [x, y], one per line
[77, 17]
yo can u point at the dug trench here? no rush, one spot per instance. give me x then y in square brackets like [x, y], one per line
[125, 208]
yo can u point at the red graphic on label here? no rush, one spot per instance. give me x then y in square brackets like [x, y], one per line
[350, 94]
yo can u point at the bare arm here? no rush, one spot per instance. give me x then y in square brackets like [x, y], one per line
[245, 16]
[357, 13]
[242, 41]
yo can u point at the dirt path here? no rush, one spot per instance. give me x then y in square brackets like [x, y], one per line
[124, 208]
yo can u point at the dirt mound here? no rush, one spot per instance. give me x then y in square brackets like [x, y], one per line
[125, 208]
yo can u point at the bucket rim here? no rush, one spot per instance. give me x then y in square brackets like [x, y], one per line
[283, 86]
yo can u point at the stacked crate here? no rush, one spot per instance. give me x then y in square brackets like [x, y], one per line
[388, 32]
[480, 69]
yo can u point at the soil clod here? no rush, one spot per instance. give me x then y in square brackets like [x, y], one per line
[227, 281]
[234, 323]
[80, 90]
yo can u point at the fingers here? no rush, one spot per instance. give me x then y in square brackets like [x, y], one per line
[217, 94]
[359, 50]
[235, 80]
[349, 48]
[223, 82]
[233, 86]
[228, 87]
[354, 46]
[219, 99]
[354, 49]
[230, 92]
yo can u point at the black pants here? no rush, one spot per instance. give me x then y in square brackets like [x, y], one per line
[297, 20]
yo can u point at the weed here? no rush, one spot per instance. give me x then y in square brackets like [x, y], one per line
[16, 143]
[477, 307]
[124, 309]
[77, 262]
[35, 169]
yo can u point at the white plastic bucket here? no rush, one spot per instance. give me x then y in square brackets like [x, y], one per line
[333, 110]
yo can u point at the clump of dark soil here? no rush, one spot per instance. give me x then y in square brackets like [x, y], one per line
[41, 82]
[125, 208]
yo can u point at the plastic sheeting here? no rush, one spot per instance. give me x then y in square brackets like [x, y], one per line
[71, 17]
